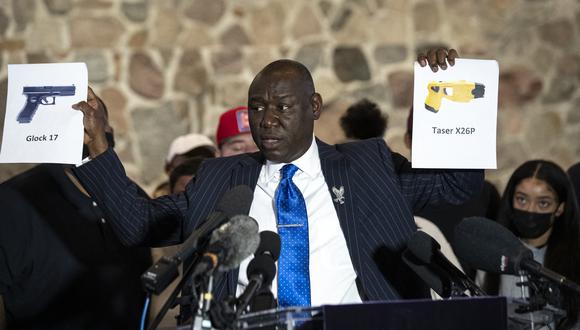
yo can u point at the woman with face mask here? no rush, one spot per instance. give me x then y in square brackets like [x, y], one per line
[538, 207]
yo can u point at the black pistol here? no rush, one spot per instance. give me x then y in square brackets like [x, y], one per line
[36, 95]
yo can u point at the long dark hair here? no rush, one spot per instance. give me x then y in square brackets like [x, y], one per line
[563, 251]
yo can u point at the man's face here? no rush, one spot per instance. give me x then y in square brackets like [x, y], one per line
[176, 161]
[282, 111]
[238, 144]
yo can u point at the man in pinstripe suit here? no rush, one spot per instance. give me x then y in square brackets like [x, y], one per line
[359, 196]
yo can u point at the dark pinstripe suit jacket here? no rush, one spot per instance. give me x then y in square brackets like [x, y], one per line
[381, 192]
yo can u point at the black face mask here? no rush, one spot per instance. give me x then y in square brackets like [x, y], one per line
[530, 224]
[110, 141]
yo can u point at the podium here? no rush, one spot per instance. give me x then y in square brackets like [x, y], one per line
[453, 314]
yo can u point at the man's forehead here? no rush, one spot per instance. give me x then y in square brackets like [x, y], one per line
[282, 85]
[275, 77]
[273, 91]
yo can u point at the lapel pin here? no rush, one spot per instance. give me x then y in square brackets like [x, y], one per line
[339, 194]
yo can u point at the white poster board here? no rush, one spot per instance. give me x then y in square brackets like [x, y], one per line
[40, 125]
[455, 116]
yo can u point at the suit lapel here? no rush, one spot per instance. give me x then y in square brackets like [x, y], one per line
[245, 174]
[336, 170]
[248, 171]
[334, 167]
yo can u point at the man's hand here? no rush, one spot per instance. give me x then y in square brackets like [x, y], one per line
[438, 58]
[95, 122]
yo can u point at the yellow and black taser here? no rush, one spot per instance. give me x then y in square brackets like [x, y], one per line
[458, 91]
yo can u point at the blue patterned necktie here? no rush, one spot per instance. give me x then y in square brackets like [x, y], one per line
[293, 264]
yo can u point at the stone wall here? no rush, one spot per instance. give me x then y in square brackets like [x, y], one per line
[167, 67]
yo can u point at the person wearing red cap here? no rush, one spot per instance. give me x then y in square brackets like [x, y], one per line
[233, 133]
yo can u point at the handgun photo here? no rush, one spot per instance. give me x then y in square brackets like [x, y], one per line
[36, 95]
[457, 91]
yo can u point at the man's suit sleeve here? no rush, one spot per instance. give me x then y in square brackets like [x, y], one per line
[423, 187]
[135, 219]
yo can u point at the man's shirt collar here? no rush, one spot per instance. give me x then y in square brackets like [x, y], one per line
[309, 163]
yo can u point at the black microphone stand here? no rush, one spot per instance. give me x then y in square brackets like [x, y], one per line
[447, 283]
[184, 299]
[537, 307]
[223, 313]
[466, 284]
[264, 300]
[226, 313]
[205, 301]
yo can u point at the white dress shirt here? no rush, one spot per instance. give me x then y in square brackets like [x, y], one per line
[332, 275]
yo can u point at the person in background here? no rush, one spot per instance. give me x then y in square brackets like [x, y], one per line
[364, 120]
[233, 133]
[188, 146]
[62, 266]
[574, 174]
[182, 148]
[184, 173]
[538, 207]
[233, 138]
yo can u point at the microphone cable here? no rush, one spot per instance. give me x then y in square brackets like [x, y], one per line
[145, 309]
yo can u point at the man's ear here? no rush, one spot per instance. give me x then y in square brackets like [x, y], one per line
[560, 209]
[316, 101]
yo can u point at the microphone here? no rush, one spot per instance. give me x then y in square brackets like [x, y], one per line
[237, 200]
[489, 246]
[234, 201]
[269, 244]
[261, 272]
[229, 245]
[423, 255]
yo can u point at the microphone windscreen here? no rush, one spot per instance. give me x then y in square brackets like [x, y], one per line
[485, 244]
[238, 239]
[262, 264]
[236, 201]
[423, 246]
[269, 243]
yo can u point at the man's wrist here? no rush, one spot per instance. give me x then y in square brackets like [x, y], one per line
[88, 159]
[97, 147]
[84, 161]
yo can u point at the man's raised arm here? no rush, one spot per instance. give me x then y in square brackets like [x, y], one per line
[136, 220]
[423, 187]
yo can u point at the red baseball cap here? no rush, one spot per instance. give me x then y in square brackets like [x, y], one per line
[232, 122]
